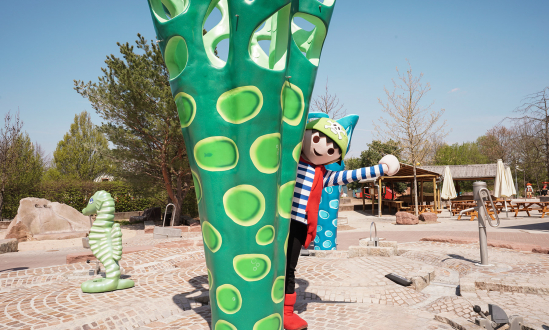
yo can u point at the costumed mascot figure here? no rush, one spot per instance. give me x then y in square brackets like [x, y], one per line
[326, 234]
[106, 244]
[325, 142]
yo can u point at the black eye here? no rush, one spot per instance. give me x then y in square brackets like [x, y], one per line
[331, 151]
[316, 139]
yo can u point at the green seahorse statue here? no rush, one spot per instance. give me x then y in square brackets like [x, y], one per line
[243, 121]
[106, 244]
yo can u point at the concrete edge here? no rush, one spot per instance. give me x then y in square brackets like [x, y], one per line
[493, 243]
[470, 285]
[456, 322]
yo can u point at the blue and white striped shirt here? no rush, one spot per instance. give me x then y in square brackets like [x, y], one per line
[304, 182]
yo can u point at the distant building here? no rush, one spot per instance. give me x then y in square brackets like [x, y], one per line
[104, 178]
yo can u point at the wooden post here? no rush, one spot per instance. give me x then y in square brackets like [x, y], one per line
[363, 198]
[372, 197]
[393, 190]
[380, 197]
[435, 194]
[421, 194]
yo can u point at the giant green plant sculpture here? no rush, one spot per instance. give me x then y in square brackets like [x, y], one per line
[243, 122]
[106, 244]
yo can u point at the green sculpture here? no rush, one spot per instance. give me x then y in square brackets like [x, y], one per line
[243, 122]
[106, 244]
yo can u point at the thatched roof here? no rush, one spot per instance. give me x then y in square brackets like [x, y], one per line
[467, 172]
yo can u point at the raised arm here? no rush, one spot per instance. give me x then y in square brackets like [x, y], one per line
[338, 178]
[388, 165]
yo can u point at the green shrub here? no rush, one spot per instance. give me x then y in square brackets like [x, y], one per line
[77, 193]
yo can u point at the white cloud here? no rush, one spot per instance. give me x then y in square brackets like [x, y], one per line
[454, 90]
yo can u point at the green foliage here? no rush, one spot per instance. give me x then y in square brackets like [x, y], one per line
[460, 154]
[51, 174]
[376, 150]
[22, 173]
[29, 164]
[80, 154]
[77, 193]
[141, 120]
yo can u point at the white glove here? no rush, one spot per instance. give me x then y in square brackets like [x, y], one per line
[390, 164]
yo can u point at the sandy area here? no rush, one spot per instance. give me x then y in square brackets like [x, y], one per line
[127, 234]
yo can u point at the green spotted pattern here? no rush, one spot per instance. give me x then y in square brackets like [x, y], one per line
[265, 235]
[265, 153]
[285, 197]
[197, 186]
[252, 267]
[228, 298]
[240, 104]
[210, 279]
[297, 152]
[243, 118]
[186, 108]
[216, 153]
[211, 236]
[244, 204]
[224, 325]
[271, 322]
[278, 289]
[293, 103]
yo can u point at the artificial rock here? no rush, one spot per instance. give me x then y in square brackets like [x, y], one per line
[403, 218]
[39, 218]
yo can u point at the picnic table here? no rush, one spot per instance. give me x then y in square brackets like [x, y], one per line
[542, 207]
[458, 206]
[394, 204]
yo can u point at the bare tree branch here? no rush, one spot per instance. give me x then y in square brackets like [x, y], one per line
[329, 104]
[416, 128]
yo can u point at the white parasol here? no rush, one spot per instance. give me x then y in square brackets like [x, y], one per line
[503, 186]
[510, 179]
[448, 189]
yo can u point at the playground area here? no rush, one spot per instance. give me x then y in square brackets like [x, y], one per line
[39, 290]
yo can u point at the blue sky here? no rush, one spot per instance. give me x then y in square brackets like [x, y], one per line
[480, 57]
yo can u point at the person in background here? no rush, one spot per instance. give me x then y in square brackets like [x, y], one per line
[529, 190]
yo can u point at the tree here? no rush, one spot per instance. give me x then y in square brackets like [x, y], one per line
[141, 120]
[528, 153]
[497, 143]
[376, 150]
[21, 162]
[535, 110]
[81, 153]
[328, 104]
[410, 123]
[8, 156]
[460, 154]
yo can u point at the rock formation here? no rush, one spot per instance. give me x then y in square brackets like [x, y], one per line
[403, 218]
[40, 219]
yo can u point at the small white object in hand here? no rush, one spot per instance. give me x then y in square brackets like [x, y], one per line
[390, 164]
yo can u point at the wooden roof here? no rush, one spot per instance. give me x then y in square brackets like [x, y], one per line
[467, 172]
[406, 174]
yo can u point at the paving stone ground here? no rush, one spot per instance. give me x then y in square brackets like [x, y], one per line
[171, 290]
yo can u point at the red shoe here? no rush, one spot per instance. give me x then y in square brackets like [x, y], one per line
[291, 320]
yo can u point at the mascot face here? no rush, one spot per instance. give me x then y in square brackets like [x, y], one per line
[319, 149]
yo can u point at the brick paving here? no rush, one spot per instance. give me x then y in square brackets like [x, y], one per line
[171, 290]
[327, 316]
[346, 239]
